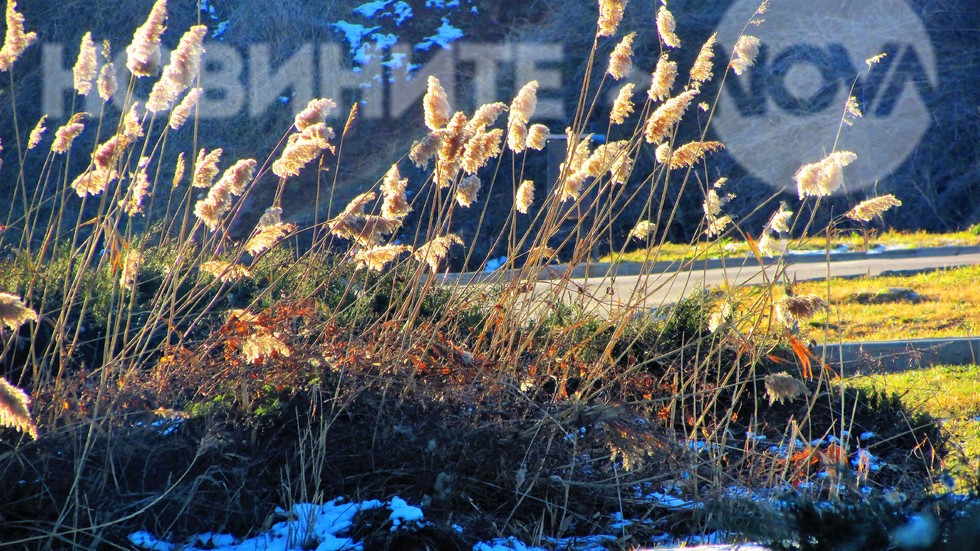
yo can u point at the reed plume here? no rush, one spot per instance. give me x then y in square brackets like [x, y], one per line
[302, 148]
[435, 105]
[180, 113]
[663, 152]
[139, 186]
[823, 177]
[395, 205]
[663, 79]
[315, 112]
[107, 83]
[226, 272]
[780, 219]
[179, 74]
[130, 268]
[377, 258]
[132, 127]
[537, 136]
[485, 115]
[610, 16]
[86, 66]
[791, 310]
[232, 183]
[666, 116]
[433, 252]
[702, 70]
[13, 312]
[746, 50]
[94, 181]
[37, 133]
[143, 54]
[643, 229]
[262, 346]
[269, 231]
[15, 407]
[179, 169]
[770, 246]
[480, 149]
[425, 149]
[623, 105]
[15, 40]
[525, 196]
[689, 154]
[65, 136]
[521, 110]
[621, 58]
[467, 190]
[206, 168]
[666, 27]
[870, 208]
[783, 387]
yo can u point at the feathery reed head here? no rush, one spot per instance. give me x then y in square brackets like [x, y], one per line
[793, 310]
[702, 70]
[206, 168]
[524, 104]
[666, 27]
[37, 133]
[623, 105]
[746, 50]
[302, 148]
[395, 205]
[433, 252]
[770, 246]
[86, 66]
[15, 40]
[517, 136]
[436, 105]
[663, 79]
[643, 229]
[64, 136]
[225, 272]
[107, 83]
[179, 169]
[269, 231]
[537, 136]
[666, 116]
[823, 177]
[485, 116]
[621, 59]
[130, 268]
[15, 408]
[143, 54]
[663, 153]
[13, 312]
[780, 220]
[467, 190]
[315, 112]
[870, 208]
[482, 147]
[139, 186]
[689, 154]
[425, 149]
[783, 387]
[525, 196]
[180, 113]
[377, 258]
[179, 74]
[610, 16]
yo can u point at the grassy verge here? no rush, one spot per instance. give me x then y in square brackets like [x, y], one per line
[854, 241]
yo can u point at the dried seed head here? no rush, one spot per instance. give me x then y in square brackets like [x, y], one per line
[480, 149]
[623, 106]
[604, 158]
[37, 133]
[262, 346]
[179, 74]
[226, 272]
[823, 177]
[180, 114]
[571, 188]
[537, 136]
[315, 112]
[701, 71]
[237, 176]
[377, 258]
[876, 206]
[793, 310]
[143, 55]
[643, 229]
[666, 26]
[525, 196]
[64, 136]
[746, 50]
[517, 137]
[269, 231]
[716, 226]
[86, 66]
[666, 116]
[485, 116]
[621, 59]
[206, 168]
[689, 154]
[610, 16]
[94, 182]
[130, 268]
[107, 154]
[663, 79]
[179, 169]
[15, 40]
[395, 205]
[131, 125]
[783, 387]
[467, 190]
[770, 246]
[425, 149]
[524, 104]
[107, 83]
[780, 220]
[436, 105]
[433, 252]
[139, 186]
[13, 312]
[302, 148]
[663, 152]
[15, 403]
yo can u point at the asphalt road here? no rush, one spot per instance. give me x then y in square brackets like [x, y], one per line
[647, 291]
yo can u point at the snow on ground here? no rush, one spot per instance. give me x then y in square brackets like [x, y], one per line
[322, 528]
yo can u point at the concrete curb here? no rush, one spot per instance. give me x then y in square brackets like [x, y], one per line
[602, 269]
[893, 356]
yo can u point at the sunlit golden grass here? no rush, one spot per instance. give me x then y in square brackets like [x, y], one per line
[854, 241]
[949, 393]
[941, 303]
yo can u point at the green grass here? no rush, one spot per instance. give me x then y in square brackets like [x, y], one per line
[949, 393]
[855, 241]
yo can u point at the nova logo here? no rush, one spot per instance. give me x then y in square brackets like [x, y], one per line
[786, 111]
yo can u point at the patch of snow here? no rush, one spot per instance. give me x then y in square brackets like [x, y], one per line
[220, 30]
[353, 33]
[402, 512]
[918, 533]
[495, 263]
[672, 502]
[867, 435]
[402, 12]
[371, 9]
[445, 35]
